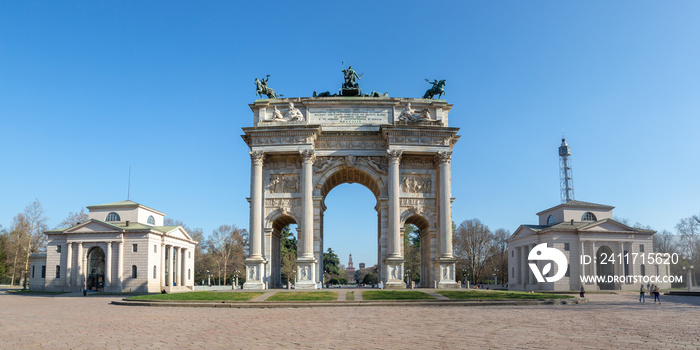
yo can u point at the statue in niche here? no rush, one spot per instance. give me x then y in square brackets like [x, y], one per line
[304, 273]
[411, 115]
[261, 88]
[445, 273]
[294, 114]
[438, 88]
[253, 273]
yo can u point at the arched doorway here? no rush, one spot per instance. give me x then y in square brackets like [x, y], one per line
[422, 225]
[96, 269]
[604, 268]
[282, 248]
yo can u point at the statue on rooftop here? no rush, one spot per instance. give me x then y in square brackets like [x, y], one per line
[438, 88]
[261, 88]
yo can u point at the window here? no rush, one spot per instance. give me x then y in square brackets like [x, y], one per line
[188, 273]
[568, 270]
[154, 271]
[588, 216]
[136, 247]
[512, 253]
[155, 248]
[627, 264]
[512, 272]
[644, 272]
[134, 273]
[189, 254]
[641, 248]
[550, 220]
[43, 271]
[567, 247]
[33, 268]
[58, 271]
[113, 217]
[151, 220]
[58, 248]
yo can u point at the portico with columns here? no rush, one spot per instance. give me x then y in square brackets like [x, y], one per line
[123, 247]
[404, 162]
[587, 234]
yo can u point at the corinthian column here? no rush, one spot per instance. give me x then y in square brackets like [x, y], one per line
[394, 194]
[307, 158]
[445, 204]
[256, 193]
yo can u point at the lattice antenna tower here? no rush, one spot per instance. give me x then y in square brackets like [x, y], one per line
[566, 179]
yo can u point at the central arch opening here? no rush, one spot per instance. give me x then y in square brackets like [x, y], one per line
[349, 224]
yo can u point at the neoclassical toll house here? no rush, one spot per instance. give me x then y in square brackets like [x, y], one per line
[122, 247]
[579, 229]
[399, 148]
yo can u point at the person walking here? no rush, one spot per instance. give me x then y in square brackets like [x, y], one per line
[642, 293]
[581, 291]
[657, 294]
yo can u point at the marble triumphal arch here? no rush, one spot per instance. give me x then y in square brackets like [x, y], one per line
[399, 148]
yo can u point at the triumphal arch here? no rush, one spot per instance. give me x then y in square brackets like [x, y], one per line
[399, 148]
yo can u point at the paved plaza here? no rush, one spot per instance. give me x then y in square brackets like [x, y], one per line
[607, 321]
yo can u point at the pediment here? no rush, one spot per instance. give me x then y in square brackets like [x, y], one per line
[179, 233]
[606, 226]
[522, 231]
[93, 226]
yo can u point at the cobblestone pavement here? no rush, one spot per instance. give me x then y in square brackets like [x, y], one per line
[607, 321]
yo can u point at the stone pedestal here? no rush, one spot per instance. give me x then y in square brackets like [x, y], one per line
[306, 272]
[255, 270]
[446, 274]
[393, 270]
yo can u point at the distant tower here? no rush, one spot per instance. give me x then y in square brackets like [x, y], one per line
[565, 176]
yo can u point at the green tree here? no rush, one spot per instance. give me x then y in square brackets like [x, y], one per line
[331, 267]
[288, 254]
[411, 242]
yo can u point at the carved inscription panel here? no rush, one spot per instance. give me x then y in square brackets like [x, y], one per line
[349, 116]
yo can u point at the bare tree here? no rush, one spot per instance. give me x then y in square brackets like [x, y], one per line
[499, 254]
[226, 245]
[665, 242]
[473, 241]
[74, 218]
[689, 231]
[27, 237]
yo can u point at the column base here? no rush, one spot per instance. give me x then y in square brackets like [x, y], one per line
[255, 270]
[306, 274]
[393, 270]
[446, 273]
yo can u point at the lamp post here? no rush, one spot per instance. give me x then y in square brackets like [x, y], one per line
[208, 278]
[408, 276]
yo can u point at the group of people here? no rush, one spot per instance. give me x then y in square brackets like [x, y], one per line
[653, 290]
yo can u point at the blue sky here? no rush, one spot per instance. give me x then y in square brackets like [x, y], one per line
[88, 89]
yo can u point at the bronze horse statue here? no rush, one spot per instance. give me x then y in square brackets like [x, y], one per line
[261, 88]
[437, 89]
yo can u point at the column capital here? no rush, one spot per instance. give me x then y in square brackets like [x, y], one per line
[257, 157]
[307, 156]
[394, 155]
[443, 157]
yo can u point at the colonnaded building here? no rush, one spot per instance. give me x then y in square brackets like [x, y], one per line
[579, 228]
[302, 148]
[123, 247]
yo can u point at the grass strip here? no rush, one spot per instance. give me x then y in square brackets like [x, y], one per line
[395, 295]
[204, 295]
[304, 296]
[472, 294]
